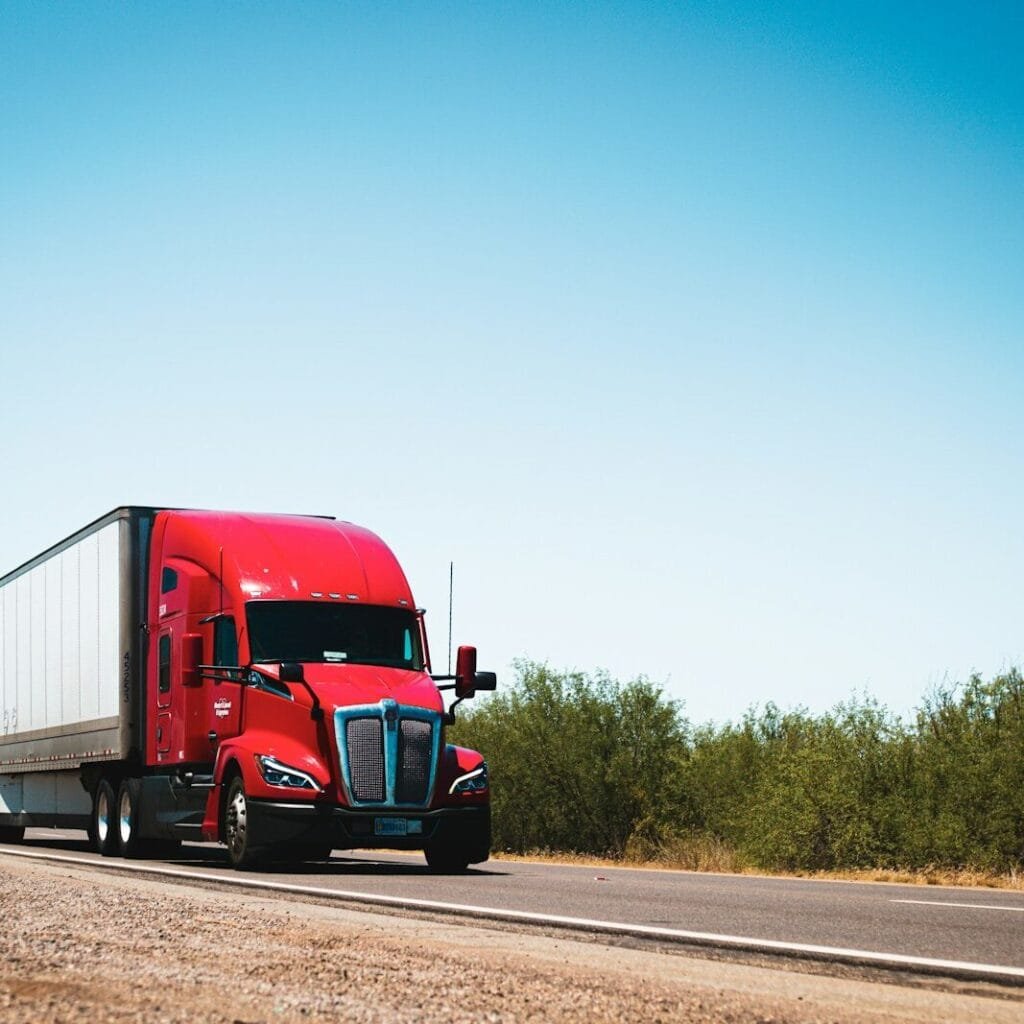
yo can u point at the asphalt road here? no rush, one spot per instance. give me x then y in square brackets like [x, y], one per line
[975, 925]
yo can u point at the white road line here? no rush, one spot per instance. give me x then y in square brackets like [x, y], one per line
[581, 923]
[968, 906]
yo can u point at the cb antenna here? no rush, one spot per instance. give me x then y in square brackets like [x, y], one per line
[451, 590]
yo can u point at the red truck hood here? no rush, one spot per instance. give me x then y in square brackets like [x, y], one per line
[340, 686]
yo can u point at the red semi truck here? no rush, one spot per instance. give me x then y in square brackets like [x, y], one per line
[262, 681]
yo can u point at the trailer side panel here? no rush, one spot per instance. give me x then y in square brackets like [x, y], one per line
[69, 651]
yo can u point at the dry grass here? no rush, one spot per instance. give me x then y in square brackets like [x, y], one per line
[717, 858]
[928, 876]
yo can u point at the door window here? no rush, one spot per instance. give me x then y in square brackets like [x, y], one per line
[225, 641]
[168, 580]
[164, 668]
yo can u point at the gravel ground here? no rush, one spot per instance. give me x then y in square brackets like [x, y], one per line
[81, 946]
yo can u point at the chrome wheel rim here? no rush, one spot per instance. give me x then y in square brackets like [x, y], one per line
[236, 822]
[125, 817]
[102, 816]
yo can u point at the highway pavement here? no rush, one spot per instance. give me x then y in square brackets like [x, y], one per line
[979, 926]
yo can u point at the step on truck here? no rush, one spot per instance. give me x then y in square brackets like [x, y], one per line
[261, 681]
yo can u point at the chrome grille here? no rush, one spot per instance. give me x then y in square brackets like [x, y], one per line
[366, 759]
[414, 749]
[389, 753]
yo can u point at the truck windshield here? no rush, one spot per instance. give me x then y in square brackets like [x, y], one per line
[344, 633]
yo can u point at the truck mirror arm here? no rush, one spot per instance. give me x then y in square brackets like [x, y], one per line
[481, 681]
[231, 674]
[292, 672]
[221, 673]
[449, 715]
[316, 712]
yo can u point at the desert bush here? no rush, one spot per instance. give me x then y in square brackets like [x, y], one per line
[579, 762]
[585, 764]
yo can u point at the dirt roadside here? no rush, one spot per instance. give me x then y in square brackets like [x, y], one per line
[80, 946]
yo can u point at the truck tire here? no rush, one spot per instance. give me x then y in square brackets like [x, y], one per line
[12, 833]
[300, 853]
[103, 826]
[243, 851]
[163, 847]
[317, 851]
[446, 859]
[457, 844]
[128, 799]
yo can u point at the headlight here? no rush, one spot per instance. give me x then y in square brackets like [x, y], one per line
[472, 782]
[277, 774]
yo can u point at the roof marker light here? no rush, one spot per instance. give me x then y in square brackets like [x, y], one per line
[316, 593]
[403, 601]
[352, 597]
[335, 596]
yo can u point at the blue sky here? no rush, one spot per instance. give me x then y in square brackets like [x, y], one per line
[693, 335]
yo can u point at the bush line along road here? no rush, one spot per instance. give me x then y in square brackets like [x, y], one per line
[586, 764]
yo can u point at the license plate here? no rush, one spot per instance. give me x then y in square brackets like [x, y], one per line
[390, 826]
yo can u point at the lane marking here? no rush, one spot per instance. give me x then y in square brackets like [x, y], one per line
[968, 906]
[743, 942]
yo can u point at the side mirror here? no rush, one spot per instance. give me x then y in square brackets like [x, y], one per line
[465, 673]
[191, 656]
[291, 672]
[485, 681]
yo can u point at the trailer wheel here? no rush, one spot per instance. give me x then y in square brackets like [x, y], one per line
[242, 851]
[128, 800]
[103, 830]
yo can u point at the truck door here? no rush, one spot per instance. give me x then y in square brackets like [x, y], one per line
[170, 724]
[170, 697]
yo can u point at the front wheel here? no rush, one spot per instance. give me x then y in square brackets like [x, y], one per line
[444, 859]
[314, 852]
[243, 853]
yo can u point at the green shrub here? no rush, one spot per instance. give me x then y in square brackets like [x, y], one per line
[578, 762]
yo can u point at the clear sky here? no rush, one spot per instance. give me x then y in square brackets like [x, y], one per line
[694, 335]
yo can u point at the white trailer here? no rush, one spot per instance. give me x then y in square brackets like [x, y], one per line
[71, 652]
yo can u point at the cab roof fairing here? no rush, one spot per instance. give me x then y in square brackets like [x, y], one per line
[288, 558]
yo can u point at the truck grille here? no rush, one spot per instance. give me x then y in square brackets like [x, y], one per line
[413, 762]
[389, 753]
[366, 759]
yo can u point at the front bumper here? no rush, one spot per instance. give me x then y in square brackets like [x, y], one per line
[279, 823]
